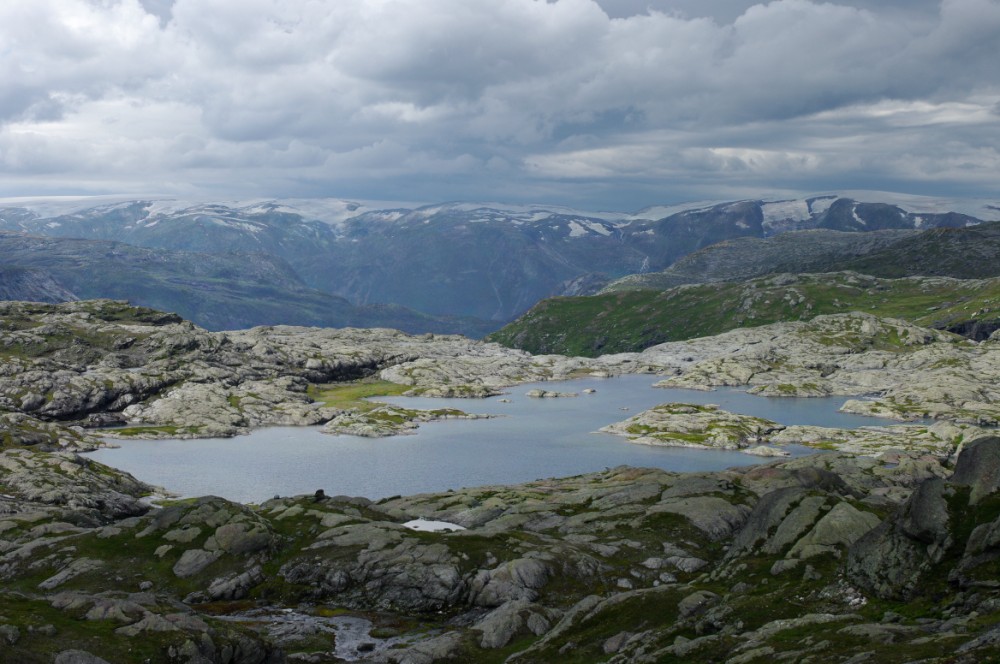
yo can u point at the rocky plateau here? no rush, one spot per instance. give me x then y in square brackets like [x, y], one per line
[885, 548]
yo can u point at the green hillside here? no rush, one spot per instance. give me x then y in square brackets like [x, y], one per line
[632, 320]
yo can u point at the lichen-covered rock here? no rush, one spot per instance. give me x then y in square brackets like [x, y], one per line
[69, 480]
[839, 528]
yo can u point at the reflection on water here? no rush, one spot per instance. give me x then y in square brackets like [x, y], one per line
[535, 438]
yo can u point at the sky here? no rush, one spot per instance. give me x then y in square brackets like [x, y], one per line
[603, 104]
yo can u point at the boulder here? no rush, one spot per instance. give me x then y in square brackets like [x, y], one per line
[194, 561]
[512, 618]
[891, 559]
[517, 579]
[696, 604]
[840, 527]
[978, 467]
[715, 516]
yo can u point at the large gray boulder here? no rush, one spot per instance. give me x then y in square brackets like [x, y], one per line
[891, 559]
[518, 579]
[978, 467]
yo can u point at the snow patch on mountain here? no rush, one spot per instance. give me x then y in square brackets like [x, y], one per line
[795, 210]
[662, 211]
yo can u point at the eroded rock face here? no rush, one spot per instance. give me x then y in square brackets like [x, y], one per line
[69, 480]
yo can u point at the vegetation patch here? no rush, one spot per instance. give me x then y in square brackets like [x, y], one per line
[354, 396]
[630, 321]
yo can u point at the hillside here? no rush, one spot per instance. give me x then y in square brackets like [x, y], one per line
[18, 283]
[969, 252]
[635, 319]
[965, 253]
[217, 291]
[746, 258]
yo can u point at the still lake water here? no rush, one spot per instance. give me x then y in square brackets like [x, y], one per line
[534, 438]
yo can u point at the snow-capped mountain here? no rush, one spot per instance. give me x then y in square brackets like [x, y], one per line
[486, 260]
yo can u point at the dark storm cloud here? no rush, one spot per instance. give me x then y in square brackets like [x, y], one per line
[498, 98]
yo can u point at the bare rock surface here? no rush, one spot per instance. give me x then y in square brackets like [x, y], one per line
[636, 565]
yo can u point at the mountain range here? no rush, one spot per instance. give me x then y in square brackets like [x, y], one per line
[463, 267]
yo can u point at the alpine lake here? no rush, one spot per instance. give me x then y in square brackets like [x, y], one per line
[530, 438]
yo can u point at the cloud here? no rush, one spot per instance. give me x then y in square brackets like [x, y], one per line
[574, 99]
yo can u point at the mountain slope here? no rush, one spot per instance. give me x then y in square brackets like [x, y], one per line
[966, 253]
[746, 258]
[633, 320]
[29, 285]
[969, 252]
[221, 291]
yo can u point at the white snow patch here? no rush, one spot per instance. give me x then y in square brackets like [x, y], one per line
[428, 526]
[984, 209]
[777, 211]
[581, 227]
[600, 229]
[169, 206]
[528, 213]
[54, 206]
[854, 213]
[821, 205]
[662, 211]
[53, 224]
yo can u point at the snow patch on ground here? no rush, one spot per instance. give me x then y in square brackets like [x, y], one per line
[428, 526]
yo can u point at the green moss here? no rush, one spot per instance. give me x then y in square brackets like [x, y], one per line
[352, 396]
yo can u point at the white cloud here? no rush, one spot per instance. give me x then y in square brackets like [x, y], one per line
[460, 98]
